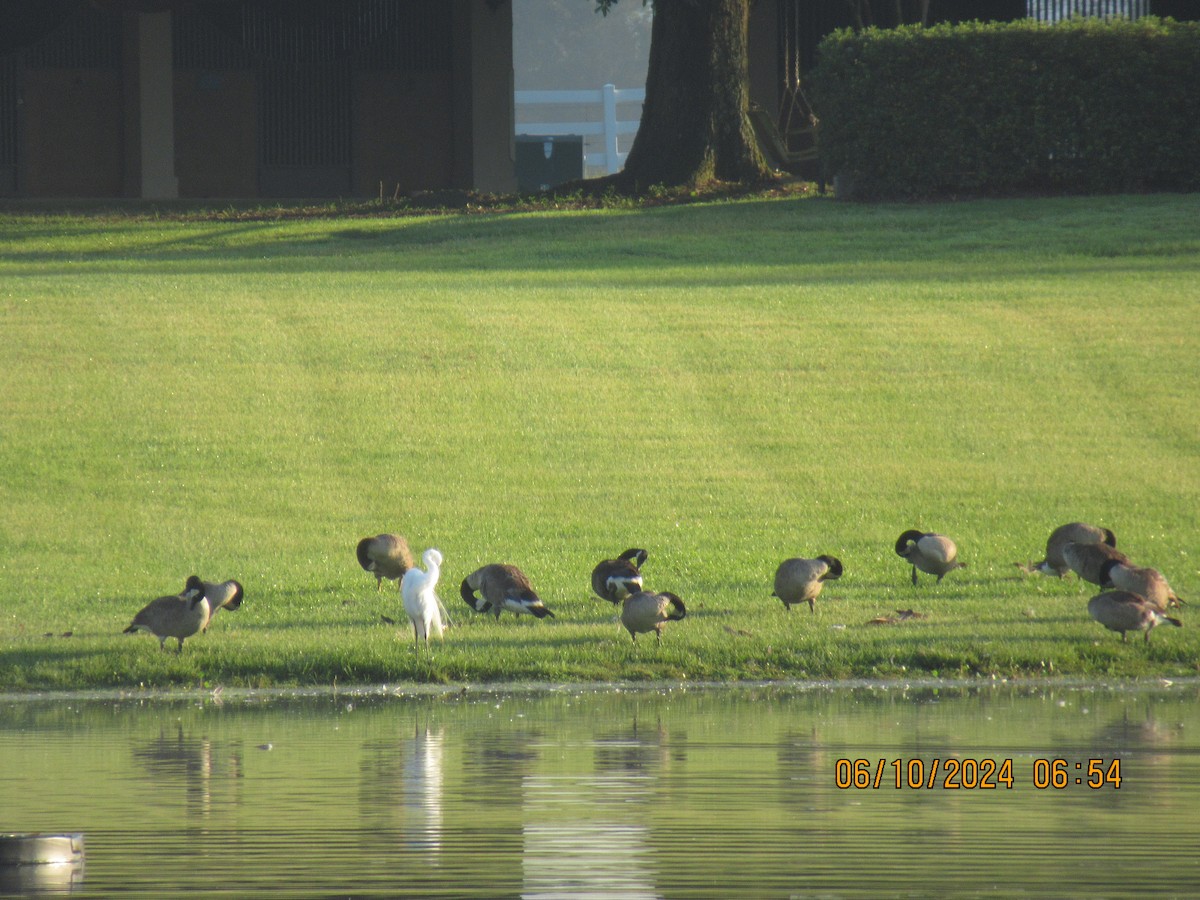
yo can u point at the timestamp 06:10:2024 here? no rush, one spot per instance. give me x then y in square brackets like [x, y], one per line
[955, 773]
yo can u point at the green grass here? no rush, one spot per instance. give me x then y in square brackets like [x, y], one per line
[726, 384]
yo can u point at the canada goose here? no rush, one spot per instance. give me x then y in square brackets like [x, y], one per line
[615, 579]
[801, 580]
[1126, 611]
[222, 595]
[1073, 532]
[420, 601]
[647, 611]
[385, 556]
[503, 587]
[1146, 582]
[934, 554]
[178, 616]
[1088, 560]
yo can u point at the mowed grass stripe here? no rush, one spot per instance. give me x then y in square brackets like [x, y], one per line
[725, 384]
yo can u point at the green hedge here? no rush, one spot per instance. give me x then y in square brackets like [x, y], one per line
[1083, 106]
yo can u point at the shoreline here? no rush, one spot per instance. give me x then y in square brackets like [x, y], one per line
[417, 690]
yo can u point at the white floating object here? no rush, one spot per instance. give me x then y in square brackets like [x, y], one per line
[38, 849]
[33, 863]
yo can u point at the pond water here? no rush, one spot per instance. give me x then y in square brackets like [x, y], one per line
[666, 792]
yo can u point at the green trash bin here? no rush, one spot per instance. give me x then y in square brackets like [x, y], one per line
[545, 161]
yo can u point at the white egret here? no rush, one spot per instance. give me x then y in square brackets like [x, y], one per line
[420, 601]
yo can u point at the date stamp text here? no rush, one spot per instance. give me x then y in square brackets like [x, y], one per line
[970, 774]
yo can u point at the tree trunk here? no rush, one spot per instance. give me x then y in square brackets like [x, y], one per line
[695, 127]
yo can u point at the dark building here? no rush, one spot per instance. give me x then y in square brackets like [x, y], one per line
[259, 98]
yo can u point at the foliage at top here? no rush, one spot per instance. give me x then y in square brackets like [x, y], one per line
[1082, 106]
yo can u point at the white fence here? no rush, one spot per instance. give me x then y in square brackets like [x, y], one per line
[593, 115]
[1054, 10]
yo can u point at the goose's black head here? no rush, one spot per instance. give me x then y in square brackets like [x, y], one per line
[635, 553]
[1106, 572]
[678, 610]
[835, 567]
[910, 536]
[479, 604]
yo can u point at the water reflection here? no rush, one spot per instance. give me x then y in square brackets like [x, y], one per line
[400, 789]
[423, 786]
[189, 764]
[626, 794]
[585, 833]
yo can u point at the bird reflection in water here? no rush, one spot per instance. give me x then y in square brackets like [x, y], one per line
[401, 789]
[194, 765]
[585, 835]
[423, 788]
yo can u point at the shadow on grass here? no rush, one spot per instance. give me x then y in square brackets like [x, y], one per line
[759, 240]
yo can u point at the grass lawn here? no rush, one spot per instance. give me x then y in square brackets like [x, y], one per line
[726, 384]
